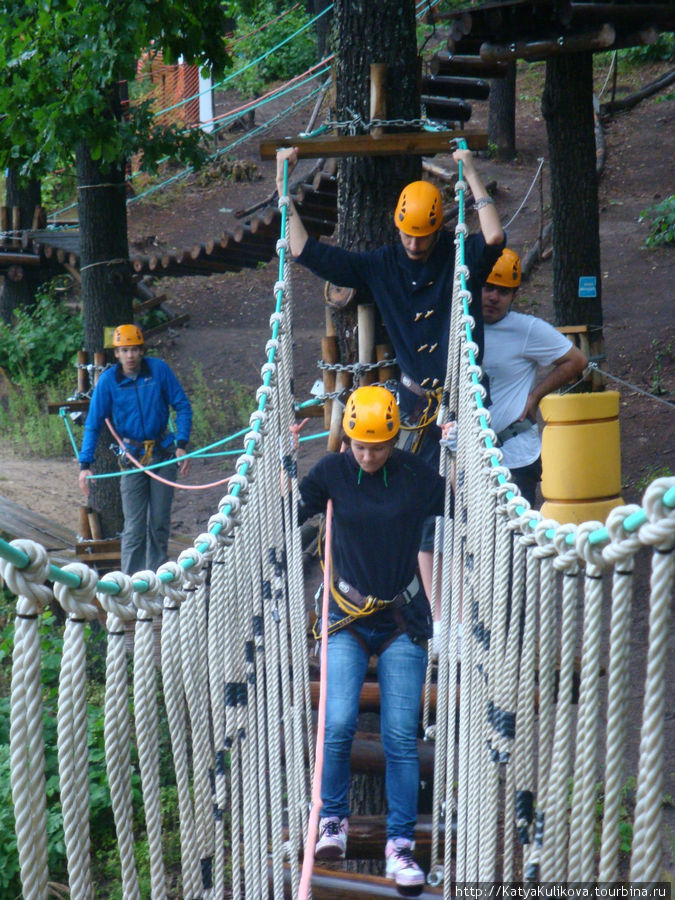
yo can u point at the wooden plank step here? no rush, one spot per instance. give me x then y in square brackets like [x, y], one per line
[330, 885]
[17, 521]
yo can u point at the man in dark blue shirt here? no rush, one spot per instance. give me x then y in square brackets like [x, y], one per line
[411, 283]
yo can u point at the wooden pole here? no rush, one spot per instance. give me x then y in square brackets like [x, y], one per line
[378, 95]
[82, 374]
[365, 317]
[342, 381]
[329, 354]
[99, 362]
[384, 351]
[84, 528]
[96, 533]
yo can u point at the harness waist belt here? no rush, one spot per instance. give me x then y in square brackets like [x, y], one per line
[356, 604]
[514, 429]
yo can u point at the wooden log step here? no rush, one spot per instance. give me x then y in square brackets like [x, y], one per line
[446, 110]
[454, 86]
[330, 885]
[101, 554]
[444, 63]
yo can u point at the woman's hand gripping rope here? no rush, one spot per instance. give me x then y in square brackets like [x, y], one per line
[288, 467]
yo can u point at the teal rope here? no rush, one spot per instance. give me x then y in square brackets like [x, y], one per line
[247, 137]
[63, 412]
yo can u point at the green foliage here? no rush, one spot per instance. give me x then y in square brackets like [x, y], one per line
[212, 417]
[61, 62]
[661, 219]
[661, 51]
[662, 352]
[41, 340]
[24, 422]
[257, 34]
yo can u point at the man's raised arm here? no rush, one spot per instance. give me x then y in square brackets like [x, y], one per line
[298, 232]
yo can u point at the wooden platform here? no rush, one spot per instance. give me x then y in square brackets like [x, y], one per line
[17, 521]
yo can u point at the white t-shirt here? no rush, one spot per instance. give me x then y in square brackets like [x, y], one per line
[514, 348]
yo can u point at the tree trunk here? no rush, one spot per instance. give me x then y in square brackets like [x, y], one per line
[502, 114]
[21, 283]
[106, 295]
[322, 26]
[365, 32]
[567, 106]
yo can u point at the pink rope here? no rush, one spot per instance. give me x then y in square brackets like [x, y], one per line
[181, 487]
[310, 841]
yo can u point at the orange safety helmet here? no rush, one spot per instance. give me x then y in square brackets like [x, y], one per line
[371, 415]
[128, 336]
[506, 271]
[419, 210]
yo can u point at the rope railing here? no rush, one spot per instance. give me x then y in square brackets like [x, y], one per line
[527, 719]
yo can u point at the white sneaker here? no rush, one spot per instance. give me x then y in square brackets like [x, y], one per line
[332, 843]
[401, 865]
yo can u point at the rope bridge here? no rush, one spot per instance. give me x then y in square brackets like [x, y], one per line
[521, 741]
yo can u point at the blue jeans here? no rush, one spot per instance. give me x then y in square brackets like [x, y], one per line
[400, 671]
[146, 507]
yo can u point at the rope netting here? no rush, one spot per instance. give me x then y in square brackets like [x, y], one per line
[524, 739]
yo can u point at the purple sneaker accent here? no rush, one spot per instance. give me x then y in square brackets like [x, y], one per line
[332, 843]
[401, 865]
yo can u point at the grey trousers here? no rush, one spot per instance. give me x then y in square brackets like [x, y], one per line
[146, 506]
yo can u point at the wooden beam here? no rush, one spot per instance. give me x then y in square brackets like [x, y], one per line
[419, 143]
[445, 64]
[532, 50]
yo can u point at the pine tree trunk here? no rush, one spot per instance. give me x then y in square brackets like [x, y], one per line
[567, 105]
[21, 291]
[106, 296]
[502, 114]
[365, 32]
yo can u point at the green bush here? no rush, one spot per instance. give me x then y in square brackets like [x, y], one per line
[255, 38]
[660, 51]
[41, 340]
[661, 219]
[24, 422]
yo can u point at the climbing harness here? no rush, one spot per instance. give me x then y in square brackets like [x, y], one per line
[415, 425]
[353, 603]
[130, 448]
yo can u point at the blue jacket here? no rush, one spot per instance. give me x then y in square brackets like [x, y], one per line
[138, 407]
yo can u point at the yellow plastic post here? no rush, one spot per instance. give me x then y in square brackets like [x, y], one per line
[581, 456]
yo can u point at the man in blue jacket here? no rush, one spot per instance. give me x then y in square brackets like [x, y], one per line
[135, 395]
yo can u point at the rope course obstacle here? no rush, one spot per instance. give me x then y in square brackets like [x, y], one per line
[507, 739]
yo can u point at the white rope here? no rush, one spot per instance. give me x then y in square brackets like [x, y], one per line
[174, 699]
[117, 731]
[553, 866]
[80, 605]
[25, 735]
[582, 823]
[660, 532]
[149, 605]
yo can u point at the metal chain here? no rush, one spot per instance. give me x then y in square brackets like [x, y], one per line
[358, 122]
[356, 367]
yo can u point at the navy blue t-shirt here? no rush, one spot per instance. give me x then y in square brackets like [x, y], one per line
[377, 519]
[414, 298]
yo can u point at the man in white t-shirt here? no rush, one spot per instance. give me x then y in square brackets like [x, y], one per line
[516, 345]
